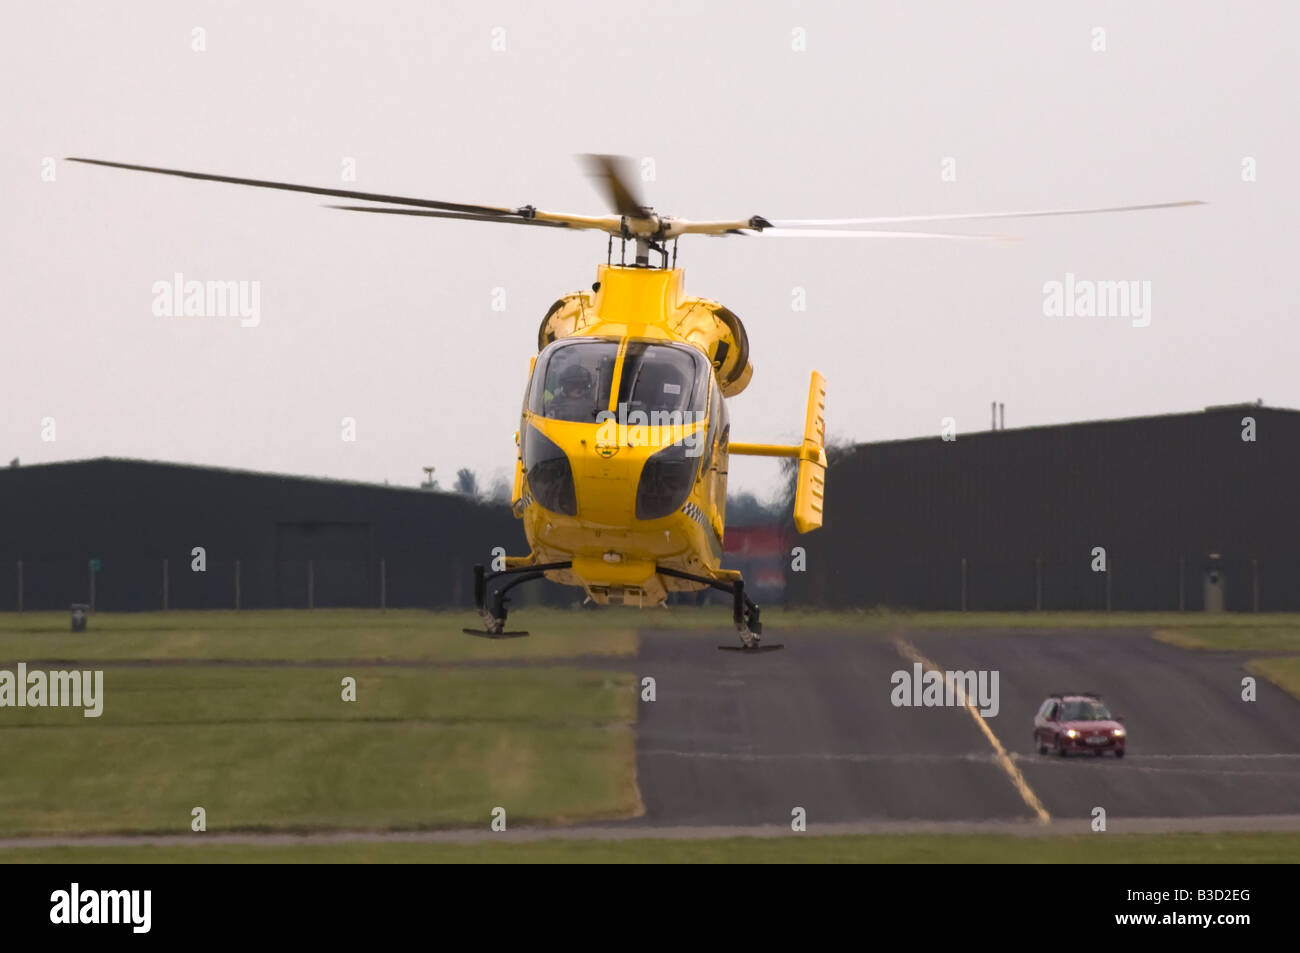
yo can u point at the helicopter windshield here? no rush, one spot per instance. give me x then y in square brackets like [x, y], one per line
[660, 378]
[573, 379]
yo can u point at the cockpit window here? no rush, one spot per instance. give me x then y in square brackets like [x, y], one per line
[573, 379]
[663, 378]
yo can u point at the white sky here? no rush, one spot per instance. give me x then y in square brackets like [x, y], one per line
[389, 320]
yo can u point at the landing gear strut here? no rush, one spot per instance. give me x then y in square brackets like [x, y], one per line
[743, 611]
[490, 599]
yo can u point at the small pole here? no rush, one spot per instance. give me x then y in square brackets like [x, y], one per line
[311, 584]
[164, 585]
[1254, 581]
[963, 584]
[383, 577]
[236, 583]
[20, 586]
[1182, 594]
[1038, 583]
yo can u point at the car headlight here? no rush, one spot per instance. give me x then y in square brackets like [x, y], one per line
[666, 481]
[1071, 733]
[1118, 733]
[550, 477]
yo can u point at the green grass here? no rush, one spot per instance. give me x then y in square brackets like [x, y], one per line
[1282, 672]
[795, 848]
[407, 634]
[417, 635]
[278, 748]
[1265, 637]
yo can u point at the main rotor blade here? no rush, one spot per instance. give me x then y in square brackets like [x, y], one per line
[553, 219]
[896, 219]
[314, 190]
[868, 233]
[614, 175]
[508, 220]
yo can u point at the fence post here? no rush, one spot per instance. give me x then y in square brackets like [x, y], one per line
[1182, 595]
[963, 584]
[1110, 570]
[1038, 583]
[1254, 583]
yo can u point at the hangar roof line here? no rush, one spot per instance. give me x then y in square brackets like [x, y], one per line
[236, 471]
[1105, 422]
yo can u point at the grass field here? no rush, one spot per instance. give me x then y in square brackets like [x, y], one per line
[794, 849]
[321, 634]
[265, 741]
[279, 748]
[1282, 672]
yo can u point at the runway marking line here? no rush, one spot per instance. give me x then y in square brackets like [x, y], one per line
[909, 652]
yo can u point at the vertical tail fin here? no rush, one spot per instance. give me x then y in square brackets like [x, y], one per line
[810, 490]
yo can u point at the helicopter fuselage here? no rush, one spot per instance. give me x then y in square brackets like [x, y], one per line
[624, 435]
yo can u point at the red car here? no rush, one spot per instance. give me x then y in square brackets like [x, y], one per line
[1067, 723]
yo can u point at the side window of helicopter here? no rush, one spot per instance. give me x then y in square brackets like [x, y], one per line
[717, 425]
[661, 378]
[572, 379]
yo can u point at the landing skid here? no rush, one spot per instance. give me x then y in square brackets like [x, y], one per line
[492, 605]
[743, 611]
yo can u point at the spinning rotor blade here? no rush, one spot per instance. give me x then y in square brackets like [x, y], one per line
[456, 215]
[314, 190]
[868, 233]
[614, 177]
[896, 219]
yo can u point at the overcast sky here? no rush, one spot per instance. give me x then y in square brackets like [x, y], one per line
[788, 110]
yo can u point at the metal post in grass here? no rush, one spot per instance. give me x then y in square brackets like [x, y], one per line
[20, 585]
[236, 584]
[311, 584]
[963, 584]
[165, 593]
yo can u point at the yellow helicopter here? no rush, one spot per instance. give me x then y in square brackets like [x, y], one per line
[623, 446]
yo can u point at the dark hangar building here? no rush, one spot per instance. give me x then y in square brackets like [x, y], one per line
[1194, 511]
[1189, 514]
[269, 541]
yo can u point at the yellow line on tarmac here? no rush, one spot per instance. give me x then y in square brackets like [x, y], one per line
[1017, 779]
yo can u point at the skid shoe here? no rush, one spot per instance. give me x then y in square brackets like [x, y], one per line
[490, 597]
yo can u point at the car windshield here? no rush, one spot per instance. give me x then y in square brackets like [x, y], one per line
[663, 378]
[573, 379]
[1084, 711]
